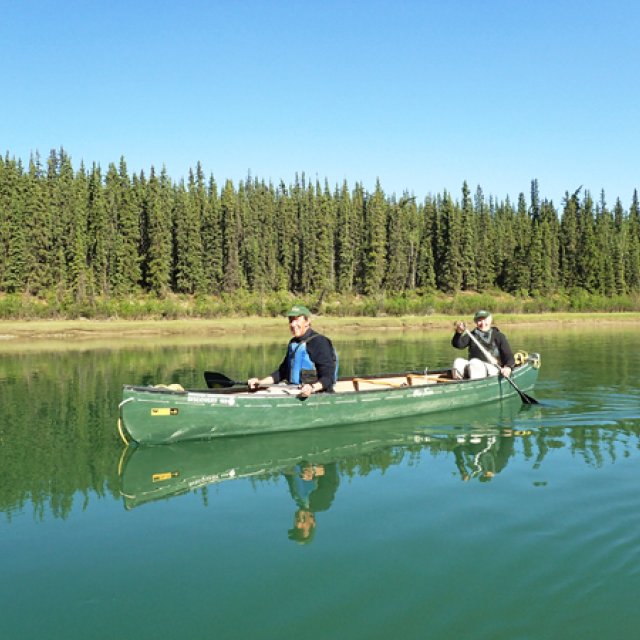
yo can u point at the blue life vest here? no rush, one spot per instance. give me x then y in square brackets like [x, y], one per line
[299, 361]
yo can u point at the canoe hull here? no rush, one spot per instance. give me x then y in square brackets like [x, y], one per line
[149, 415]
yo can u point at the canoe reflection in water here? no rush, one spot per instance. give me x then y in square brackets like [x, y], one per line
[479, 441]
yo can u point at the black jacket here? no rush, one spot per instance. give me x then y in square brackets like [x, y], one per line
[498, 345]
[321, 353]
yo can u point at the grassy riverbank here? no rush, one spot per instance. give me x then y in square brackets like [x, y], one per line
[11, 330]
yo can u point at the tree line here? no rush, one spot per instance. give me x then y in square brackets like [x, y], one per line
[84, 233]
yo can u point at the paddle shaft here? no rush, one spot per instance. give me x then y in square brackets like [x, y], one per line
[215, 380]
[492, 360]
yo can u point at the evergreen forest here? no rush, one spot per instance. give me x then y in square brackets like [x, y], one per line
[84, 241]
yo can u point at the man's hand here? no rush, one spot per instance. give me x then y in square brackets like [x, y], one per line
[306, 390]
[459, 326]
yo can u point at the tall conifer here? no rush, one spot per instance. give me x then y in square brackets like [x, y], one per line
[212, 239]
[344, 241]
[375, 240]
[449, 264]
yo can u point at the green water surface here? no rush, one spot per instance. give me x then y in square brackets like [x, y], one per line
[500, 522]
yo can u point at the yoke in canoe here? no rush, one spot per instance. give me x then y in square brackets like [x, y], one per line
[160, 415]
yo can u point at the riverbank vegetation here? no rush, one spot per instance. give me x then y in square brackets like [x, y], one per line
[80, 243]
[246, 304]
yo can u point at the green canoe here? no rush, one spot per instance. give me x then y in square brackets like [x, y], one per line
[147, 474]
[160, 415]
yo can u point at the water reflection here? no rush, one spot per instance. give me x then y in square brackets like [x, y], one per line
[58, 443]
[480, 442]
[478, 445]
[313, 488]
[406, 514]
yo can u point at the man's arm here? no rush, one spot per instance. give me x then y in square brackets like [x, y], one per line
[320, 351]
[506, 354]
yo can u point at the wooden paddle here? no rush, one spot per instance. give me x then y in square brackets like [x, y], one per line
[525, 398]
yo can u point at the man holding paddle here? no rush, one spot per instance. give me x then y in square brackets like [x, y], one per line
[308, 352]
[489, 350]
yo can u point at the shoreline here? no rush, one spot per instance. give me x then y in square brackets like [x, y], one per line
[20, 330]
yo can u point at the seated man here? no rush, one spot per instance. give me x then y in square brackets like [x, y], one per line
[308, 352]
[489, 341]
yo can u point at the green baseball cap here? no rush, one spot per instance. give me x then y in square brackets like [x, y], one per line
[297, 310]
[481, 314]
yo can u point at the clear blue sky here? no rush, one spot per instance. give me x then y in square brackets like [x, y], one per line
[422, 95]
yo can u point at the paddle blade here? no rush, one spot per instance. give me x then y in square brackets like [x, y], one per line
[217, 380]
[529, 399]
[524, 397]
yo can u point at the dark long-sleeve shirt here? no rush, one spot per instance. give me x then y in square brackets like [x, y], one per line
[497, 343]
[321, 353]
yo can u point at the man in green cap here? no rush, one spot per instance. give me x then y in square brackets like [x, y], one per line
[310, 360]
[484, 342]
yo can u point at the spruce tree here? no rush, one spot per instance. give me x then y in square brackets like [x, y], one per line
[99, 233]
[620, 248]
[504, 249]
[197, 208]
[485, 243]
[344, 241]
[587, 258]
[449, 263]
[519, 277]
[158, 211]
[375, 232]
[38, 212]
[324, 222]
[569, 241]
[398, 247]
[425, 270]
[123, 215]
[187, 236]
[181, 259]
[12, 227]
[604, 232]
[80, 275]
[231, 234]
[414, 232]
[359, 234]
[287, 238]
[212, 239]
[58, 188]
[535, 261]
[550, 227]
[632, 262]
[467, 240]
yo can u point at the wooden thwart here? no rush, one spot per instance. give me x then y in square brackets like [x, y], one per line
[386, 382]
[411, 379]
[408, 380]
[427, 379]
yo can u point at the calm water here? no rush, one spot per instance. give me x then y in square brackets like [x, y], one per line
[498, 523]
